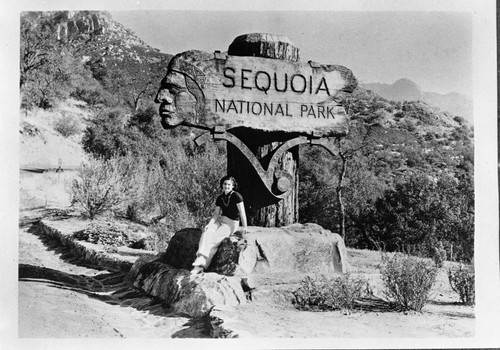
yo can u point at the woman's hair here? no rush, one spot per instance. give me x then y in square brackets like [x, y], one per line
[227, 177]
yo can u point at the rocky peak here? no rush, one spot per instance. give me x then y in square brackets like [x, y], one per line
[70, 24]
[95, 36]
[408, 86]
[407, 90]
[78, 27]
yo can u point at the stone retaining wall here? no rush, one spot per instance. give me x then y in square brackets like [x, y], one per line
[92, 253]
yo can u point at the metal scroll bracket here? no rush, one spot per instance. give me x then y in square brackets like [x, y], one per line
[278, 183]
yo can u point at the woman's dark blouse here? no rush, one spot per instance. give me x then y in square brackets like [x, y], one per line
[230, 210]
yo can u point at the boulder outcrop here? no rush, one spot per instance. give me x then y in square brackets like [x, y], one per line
[193, 295]
[294, 248]
[265, 265]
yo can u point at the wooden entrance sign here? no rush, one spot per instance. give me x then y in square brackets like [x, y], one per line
[263, 107]
[216, 90]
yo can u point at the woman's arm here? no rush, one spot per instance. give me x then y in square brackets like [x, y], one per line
[214, 217]
[243, 216]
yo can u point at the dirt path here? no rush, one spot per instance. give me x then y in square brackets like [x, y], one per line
[63, 297]
[437, 321]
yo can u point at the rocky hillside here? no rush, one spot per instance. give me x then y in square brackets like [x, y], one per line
[94, 34]
[408, 90]
[122, 64]
[74, 64]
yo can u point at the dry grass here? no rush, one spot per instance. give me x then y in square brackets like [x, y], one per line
[364, 261]
[49, 189]
[47, 148]
[45, 119]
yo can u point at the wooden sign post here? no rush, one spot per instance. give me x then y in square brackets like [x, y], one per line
[264, 103]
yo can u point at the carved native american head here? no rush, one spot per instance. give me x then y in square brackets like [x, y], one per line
[181, 96]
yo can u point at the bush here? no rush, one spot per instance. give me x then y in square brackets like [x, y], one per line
[408, 125]
[67, 126]
[459, 119]
[329, 293]
[108, 135]
[161, 238]
[108, 235]
[408, 280]
[182, 188]
[95, 96]
[102, 186]
[462, 278]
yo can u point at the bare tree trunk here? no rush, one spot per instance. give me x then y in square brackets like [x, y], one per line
[340, 199]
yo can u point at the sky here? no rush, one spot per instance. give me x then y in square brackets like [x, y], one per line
[434, 49]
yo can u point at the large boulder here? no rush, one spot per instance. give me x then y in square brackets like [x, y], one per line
[234, 256]
[266, 265]
[185, 294]
[295, 248]
[181, 250]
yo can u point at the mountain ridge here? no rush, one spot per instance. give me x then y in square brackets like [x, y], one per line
[405, 89]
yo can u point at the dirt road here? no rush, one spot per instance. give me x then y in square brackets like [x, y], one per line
[63, 297]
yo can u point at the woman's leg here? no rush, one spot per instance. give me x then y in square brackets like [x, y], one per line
[210, 241]
[205, 244]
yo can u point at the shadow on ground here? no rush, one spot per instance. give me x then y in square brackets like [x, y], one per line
[113, 288]
[465, 311]
[54, 245]
[33, 216]
[375, 305]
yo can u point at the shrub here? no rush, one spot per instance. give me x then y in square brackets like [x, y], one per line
[462, 278]
[94, 95]
[29, 130]
[115, 234]
[182, 188]
[108, 135]
[398, 115]
[459, 119]
[161, 238]
[329, 293]
[408, 125]
[408, 280]
[67, 126]
[102, 186]
[100, 234]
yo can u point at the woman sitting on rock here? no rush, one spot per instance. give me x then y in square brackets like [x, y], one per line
[224, 222]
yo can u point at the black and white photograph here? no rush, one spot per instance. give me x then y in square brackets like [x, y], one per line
[221, 174]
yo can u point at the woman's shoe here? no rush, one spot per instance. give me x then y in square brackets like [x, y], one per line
[196, 270]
